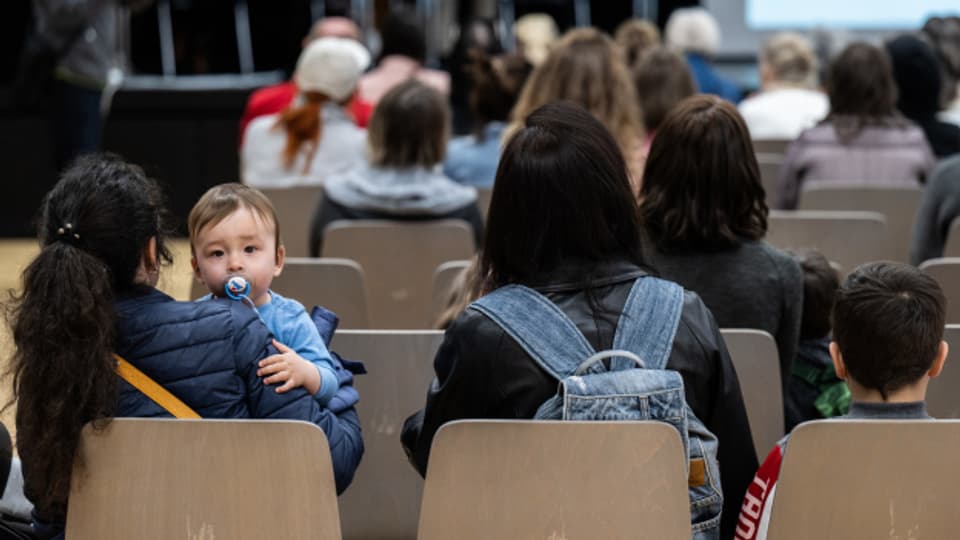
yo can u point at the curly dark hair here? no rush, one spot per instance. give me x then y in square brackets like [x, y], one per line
[701, 186]
[94, 228]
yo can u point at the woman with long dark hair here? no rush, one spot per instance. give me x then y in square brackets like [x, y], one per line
[563, 221]
[90, 294]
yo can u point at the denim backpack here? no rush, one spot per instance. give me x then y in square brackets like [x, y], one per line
[608, 385]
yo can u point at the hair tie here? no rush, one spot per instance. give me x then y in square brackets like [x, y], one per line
[68, 234]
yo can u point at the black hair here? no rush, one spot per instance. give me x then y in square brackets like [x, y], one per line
[95, 226]
[820, 284]
[888, 322]
[403, 36]
[561, 193]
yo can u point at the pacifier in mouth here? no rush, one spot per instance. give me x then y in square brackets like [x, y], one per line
[237, 288]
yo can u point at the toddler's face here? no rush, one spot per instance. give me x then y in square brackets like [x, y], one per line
[243, 244]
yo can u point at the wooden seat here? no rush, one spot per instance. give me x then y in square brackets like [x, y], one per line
[952, 246]
[863, 480]
[947, 273]
[943, 400]
[295, 207]
[771, 146]
[897, 204]
[755, 357]
[399, 260]
[483, 199]
[444, 279]
[336, 284]
[384, 499]
[203, 479]
[769, 175]
[847, 238]
[555, 480]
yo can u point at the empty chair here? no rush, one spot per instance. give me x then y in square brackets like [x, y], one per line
[203, 479]
[384, 499]
[444, 280]
[336, 284]
[861, 480]
[398, 260]
[769, 169]
[295, 206]
[898, 204]
[947, 273]
[846, 238]
[754, 355]
[943, 400]
[771, 146]
[553, 480]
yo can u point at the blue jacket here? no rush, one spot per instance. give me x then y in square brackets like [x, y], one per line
[709, 82]
[206, 354]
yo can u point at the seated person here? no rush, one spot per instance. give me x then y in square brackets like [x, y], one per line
[407, 139]
[234, 231]
[887, 371]
[814, 392]
[939, 206]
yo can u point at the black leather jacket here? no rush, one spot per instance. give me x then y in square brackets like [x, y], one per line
[482, 373]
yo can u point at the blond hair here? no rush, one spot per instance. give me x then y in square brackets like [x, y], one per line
[790, 58]
[222, 200]
[587, 68]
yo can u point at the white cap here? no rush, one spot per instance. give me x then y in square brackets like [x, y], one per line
[331, 66]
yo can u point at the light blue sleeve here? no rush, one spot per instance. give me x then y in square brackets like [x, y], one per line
[294, 329]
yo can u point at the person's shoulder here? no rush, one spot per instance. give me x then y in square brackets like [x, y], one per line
[287, 307]
[273, 98]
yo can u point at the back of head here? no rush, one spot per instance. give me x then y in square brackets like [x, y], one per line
[328, 70]
[860, 83]
[536, 34]
[917, 75]
[222, 200]
[409, 127]
[497, 83]
[340, 27]
[693, 30]
[662, 78]
[820, 284]
[701, 186]
[561, 194]
[635, 36]
[790, 59]
[95, 228]
[944, 36]
[587, 68]
[402, 35]
[888, 322]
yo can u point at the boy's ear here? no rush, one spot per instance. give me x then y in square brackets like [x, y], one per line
[281, 256]
[838, 364]
[938, 362]
[150, 260]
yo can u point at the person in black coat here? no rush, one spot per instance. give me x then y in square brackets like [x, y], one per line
[563, 220]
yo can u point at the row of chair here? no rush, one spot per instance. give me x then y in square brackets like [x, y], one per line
[202, 480]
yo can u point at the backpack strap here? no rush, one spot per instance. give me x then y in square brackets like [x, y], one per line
[539, 326]
[649, 320]
[158, 394]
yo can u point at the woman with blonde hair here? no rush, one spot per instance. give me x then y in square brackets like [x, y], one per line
[587, 68]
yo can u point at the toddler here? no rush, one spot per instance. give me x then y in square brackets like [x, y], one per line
[234, 231]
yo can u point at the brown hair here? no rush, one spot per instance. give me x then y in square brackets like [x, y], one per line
[409, 127]
[862, 91]
[222, 200]
[303, 127]
[663, 79]
[497, 82]
[636, 36]
[467, 287]
[585, 67]
[701, 186]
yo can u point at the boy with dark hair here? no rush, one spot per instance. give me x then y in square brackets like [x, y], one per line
[814, 391]
[888, 321]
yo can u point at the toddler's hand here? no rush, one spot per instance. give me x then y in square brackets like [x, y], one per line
[289, 368]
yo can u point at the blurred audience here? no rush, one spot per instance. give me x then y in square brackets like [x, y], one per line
[587, 68]
[938, 208]
[473, 159]
[696, 33]
[919, 82]
[536, 34]
[407, 140]
[635, 36]
[662, 79]
[479, 36]
[789, 100]
[944, 36]
[313, 137]
[864, 140]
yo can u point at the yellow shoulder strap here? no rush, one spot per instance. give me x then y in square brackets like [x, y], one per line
[152, 390]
